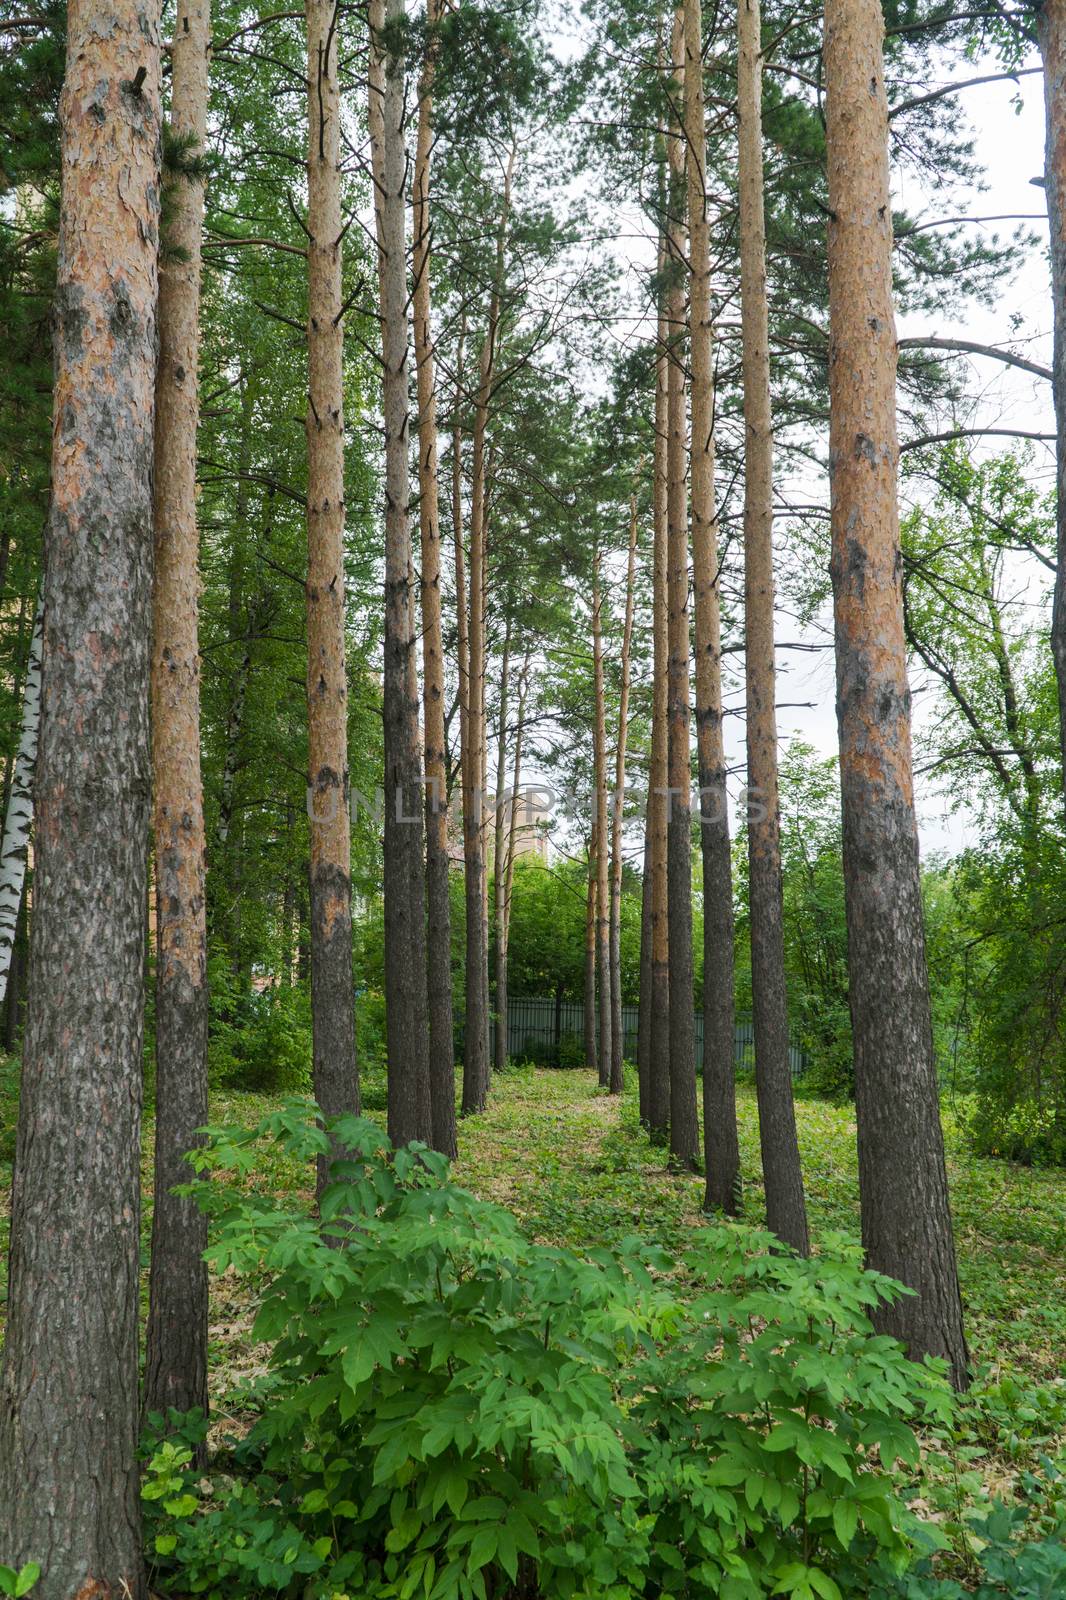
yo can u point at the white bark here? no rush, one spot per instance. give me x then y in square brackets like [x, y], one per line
[19, 818]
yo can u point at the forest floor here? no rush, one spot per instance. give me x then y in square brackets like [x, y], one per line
[576, 1168]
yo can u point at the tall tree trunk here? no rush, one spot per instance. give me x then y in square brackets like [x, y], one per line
[1051, 37]
[473, 1067]
[14, 996]
[617, 815]
[589, 993]
[476, 1045]
[503, 931]
[438, 902]
[225, 880]
[499, 844]
[684, 1121]
[659, 1042]
[18, 813]
[644, 1010]
[603, 841]
[175, 1367]
[906, 1219]
[782, 1175]
[720, 1143]
[335, 1072]
[476, 1054]
[68, 1392]
[407, 1023]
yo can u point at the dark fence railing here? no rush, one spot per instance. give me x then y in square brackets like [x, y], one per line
[550, 1033]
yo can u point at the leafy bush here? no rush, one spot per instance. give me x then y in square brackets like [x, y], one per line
[1006, 1566]
[455, 1411]
[261, 1041]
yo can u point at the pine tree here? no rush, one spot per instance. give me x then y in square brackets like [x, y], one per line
[438, 899]
[684, 1123]
[721, 1150]
[782, 1175]
[68, 1447]
[335, 1073]
[176, 1341]
[407, 1023]
[906, 1219]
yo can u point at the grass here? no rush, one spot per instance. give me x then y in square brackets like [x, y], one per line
[576, 1168]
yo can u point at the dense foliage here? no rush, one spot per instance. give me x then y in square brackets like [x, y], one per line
[453, 1410]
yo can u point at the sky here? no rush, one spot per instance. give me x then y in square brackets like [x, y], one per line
[1007, 120]
[1010, 146]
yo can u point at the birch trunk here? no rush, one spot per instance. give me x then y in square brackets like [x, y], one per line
[684, 1122]
[334, 1073]
[1051, 38]
[438, 904]
[786, 1211]
[906, 1219]
[720, 1143]
[175, 1370]
[69, 1497]
[659, 1041]
[18, 816]
[603, 890]
[476, 1050]
[617, 816]
[410, 1107]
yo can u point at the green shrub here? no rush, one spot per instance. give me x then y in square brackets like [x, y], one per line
[9, 1106]
[1006, 1566]
[455, 1411]
[261, 1041]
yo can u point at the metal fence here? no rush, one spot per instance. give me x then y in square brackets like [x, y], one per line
[550, 1033]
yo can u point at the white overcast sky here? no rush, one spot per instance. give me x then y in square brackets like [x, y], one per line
[1010, 146]
[1010, 149]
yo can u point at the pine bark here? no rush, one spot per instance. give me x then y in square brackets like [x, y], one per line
[720, 1143]
[438, 903]
[18, 812]
[589, 1015]
[658, 1107]
[503, 928]
[644, 1011]
[684, 1122]
[175, 1371]
[786, 1211]
[68, 1392]
[410, 1113]
[334, 1070]
[617, 1078]
[476, 1075]
[906, 1219]
[499, 846]
[603, 889]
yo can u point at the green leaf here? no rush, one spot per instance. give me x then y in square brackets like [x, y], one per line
[165, 1543]
[483, 1548]
[182, 1505]
[845, 1521]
